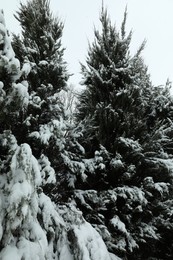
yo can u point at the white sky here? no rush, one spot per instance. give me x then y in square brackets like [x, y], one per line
[149, 19]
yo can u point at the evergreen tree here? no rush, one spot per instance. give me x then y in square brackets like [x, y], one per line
[23, 225]
[47, 126]
[118, 93]
[31, 226]
[41, 50]
[127, 181]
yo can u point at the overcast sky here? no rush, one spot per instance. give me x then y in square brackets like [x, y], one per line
[149, 19]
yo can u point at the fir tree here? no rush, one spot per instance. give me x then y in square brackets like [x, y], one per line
[31, 226]
[118, 92]
[42, 52]
[126, 165]
[20, 176]
[47, 126]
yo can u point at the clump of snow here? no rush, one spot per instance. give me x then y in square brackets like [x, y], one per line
[8, 140]
[26, 69]
[43, 63]
[118, 224]
[131, 195]
[8, 61]
[47, 172]
[10, 252]
[29, 218]
[128, 143]
[1, 85]
[161, 187]
[24, 177]
[55, 128]
[126, 239]
[90, 165]
[20, 93]
[85, 242]
[7, 56]
[89, 243]
[49, 214]
[116, 163]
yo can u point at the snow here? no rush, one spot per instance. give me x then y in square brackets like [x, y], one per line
[1, 86]
[54, 128]
[26, 68]
[90, 165]
[36, 171]
[161, 187]
[26, 215]
[132, 194]
[21, 91]
[9, 253]
[47, 172]
[30, 250]
[118, 224]
[149, 231]
[116, 163]
[129, 143]
[31, 226]
[25, 165]
[2, 20]
[7, 55]
[46, 131]
[20, 190]
[49, 214]
[168, 163]
[65, 253]
[80, 195]
[114, 257]
[90, 244]
[84, 241]
[43, 63]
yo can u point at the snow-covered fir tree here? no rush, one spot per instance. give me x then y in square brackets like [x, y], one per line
[128, 169]
[114, 161]
[47, 125]
[31, 226]
[39, 47]
[24, 227]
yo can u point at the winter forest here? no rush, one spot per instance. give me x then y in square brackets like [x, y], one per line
[84, 175]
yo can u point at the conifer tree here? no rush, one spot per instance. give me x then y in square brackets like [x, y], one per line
[118, 86]
[31, 226]
[42, 52]
[20, 175]
[46, 126]
[123, 115]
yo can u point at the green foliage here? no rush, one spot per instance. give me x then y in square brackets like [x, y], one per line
[113, 160]
[118, 91]
[41, 54]
[47, 126]
[31, 226]
[127, 139]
